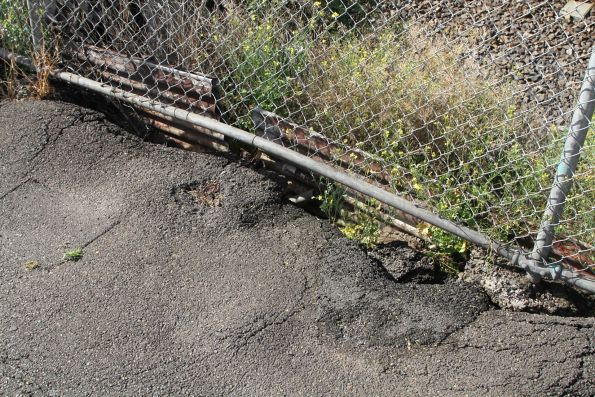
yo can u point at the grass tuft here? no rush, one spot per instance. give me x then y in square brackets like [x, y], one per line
[73, 255]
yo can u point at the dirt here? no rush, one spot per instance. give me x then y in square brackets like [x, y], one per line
[509, 288]
[175, 295]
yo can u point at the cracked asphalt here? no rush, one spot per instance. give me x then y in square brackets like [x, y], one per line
[249, 297]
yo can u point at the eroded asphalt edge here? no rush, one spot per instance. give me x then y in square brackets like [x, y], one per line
[255, 297]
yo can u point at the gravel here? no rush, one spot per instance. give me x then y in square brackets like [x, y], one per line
[527, 42]
[509, 288]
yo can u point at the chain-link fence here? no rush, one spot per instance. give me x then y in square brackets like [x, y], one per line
[461, 107]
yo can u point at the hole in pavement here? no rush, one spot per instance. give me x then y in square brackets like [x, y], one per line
[405, 264]
[207, 194]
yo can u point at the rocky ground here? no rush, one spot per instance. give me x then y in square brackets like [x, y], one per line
[527, 42]
[197, 279]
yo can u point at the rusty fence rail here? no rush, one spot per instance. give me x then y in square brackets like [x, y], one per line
[477, 114]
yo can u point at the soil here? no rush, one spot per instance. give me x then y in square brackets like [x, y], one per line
[198, 279]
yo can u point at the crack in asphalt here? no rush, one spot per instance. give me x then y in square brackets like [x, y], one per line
[50, 267]
[102, 233]
[15, 188]
[261, 324]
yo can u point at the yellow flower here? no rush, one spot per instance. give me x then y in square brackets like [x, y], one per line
[425, 229]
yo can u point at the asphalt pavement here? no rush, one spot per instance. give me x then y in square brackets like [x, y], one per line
[196, 278]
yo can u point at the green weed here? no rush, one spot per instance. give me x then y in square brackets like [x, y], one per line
[258, 57]
[449, 136]
[332, 200]
[14, 36]
[73, 255]
[357, 224]
[365, 230]
[14, 27]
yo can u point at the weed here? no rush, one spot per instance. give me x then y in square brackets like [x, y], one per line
[45, 60]
[391, 96]
[449, 136]
[359, 224]
[331, 200]
[31, 265]
[15, 35]
[362, 228]
[9, 72]
[412, 103]
[343, 15]
[260, 62]
[73, 255]
[14, 28]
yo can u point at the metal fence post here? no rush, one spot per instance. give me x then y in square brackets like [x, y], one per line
[575, 139]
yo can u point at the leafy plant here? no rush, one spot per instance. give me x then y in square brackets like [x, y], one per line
[332, 200]
[357, 224]
[259, 60]
[14, 28]
[362, 228]
[348, 13]
[14, 36]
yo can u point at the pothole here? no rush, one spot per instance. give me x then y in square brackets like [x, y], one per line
[407, 265]
[207, 194]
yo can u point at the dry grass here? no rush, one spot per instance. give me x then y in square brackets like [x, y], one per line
[207, 195]
[45, 62]
[15, 36]
[31, 265]
[402, 91]
[9, 72]
[17, 84]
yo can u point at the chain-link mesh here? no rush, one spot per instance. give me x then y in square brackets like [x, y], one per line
[15, 35]
[459, 106]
